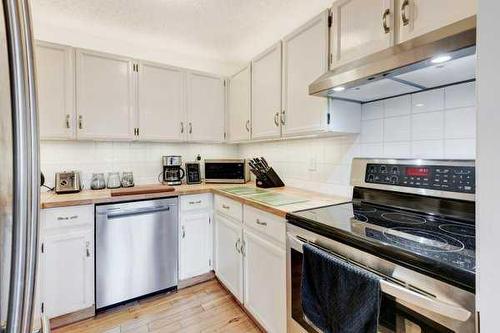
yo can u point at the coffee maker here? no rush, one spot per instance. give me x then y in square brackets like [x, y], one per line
[172, 170]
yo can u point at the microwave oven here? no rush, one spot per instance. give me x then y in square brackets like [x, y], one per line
[232, 171]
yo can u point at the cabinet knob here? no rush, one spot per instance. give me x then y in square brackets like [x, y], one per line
[259, 222]
[238, 245]
[283, 119]
[277, 119]
[190, 128]
[385, 24]
[182, 127]
[68, 125]
[87, 248]
[80, 122]
[183, 232]
[247, 125]
[225, 207]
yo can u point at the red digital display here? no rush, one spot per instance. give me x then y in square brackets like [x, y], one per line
[417, 172]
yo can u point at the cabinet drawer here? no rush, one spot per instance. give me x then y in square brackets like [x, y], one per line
[229, 207]
[74, 216]
[196, 201]
[265, 223]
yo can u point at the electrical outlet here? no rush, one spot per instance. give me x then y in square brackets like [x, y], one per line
[312, 164]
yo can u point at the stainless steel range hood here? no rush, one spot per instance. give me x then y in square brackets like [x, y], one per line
[438, 58]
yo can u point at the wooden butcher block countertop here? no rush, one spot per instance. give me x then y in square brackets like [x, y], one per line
[86, 197]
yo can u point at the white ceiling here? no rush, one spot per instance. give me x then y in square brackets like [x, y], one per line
[228, 31]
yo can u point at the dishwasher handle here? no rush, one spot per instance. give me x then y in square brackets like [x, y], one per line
[117, 213]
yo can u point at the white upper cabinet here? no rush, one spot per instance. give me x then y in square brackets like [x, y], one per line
[105, 95]
[205, 102]
[417, 17]
[160, 102]
[360, 28]
[239, 106]
[56, 86]
[305, 54]
[266, 94]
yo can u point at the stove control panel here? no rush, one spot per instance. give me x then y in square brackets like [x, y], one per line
[443, 178]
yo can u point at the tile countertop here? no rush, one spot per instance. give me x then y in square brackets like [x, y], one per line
[86, 197]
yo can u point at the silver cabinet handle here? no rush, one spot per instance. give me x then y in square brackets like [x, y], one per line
[182, 127]
[238, 246]
[80, 122]
[247, 125]
[385, 25]
[87, 249]
[195, 202]
[277, 119]
[242, 248]
[259, 222]
[67, 121]
[190, 128]
[225, 207]
[66, 218]
[404, 18]
[183, 232]
[283, 119]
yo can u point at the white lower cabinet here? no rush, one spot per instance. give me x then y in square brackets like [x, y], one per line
[264, 266]
[67, 260]
[228, 258]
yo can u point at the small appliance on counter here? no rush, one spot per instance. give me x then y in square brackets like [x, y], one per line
[172, 170]
[266, 176]
[232, 171]
[68, 182]
[193, 174]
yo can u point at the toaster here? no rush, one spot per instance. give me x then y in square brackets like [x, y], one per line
[68, 182]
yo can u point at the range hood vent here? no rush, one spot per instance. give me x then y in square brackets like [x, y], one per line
[439, 58]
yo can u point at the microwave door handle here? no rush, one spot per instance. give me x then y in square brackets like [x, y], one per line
[26, 170]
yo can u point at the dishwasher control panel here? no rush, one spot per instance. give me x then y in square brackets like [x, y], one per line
[460, 179]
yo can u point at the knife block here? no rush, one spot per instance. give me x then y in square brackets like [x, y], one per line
[269, 179]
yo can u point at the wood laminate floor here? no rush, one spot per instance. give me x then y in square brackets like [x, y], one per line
[206, 307]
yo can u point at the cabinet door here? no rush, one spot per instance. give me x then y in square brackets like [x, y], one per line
[266, 94]
[305, 54]
[239, 106]
[56, 85]
[265, 286]
[160, 95]
[361, 28]
[67, 272]
[417, 17]
[195, 244]
[105, 90]
[228, 258]
[205, 108]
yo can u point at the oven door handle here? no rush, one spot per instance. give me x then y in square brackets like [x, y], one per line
[444, 308]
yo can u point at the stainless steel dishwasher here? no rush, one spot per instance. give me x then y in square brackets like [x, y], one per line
[136, 249]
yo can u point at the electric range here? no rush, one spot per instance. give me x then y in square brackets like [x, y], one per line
[412, 222]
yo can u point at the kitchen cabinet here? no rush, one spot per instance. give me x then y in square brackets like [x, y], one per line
[195, 235]
[360, 28]
[305, 54]
[228, 257]
[265, 281]
[56, 82]
[239, 106]
[105, 96]
[205, 103]
[67, 260]
[266, 94]
[160, 102]
[417, 17]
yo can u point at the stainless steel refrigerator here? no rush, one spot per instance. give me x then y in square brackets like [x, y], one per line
[19, 169]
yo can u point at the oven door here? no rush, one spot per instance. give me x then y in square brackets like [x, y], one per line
[402, 310]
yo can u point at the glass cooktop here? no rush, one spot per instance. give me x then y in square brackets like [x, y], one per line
[448, 242]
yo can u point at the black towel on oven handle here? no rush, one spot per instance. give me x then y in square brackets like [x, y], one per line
[338, 297]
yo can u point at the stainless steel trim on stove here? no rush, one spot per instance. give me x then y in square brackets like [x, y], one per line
[398, 59]
[26, 168]
[358, 172]
[442, 303]
[396, 288]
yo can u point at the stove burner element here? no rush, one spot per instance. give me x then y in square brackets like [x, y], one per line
[403, 218]
[360, 217]
[458, 230]
[419, 240]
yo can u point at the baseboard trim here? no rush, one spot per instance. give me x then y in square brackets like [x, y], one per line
[195, 280]
[72, 317]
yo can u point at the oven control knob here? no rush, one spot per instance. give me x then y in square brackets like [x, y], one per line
[394, 180]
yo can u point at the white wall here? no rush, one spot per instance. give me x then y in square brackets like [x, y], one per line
[143, 159]
[433, 124]
[488, 165]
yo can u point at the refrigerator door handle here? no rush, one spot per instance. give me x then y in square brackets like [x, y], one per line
[26, 171]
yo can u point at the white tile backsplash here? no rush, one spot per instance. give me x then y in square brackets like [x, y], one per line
[461, 95]
[460, 123]
[397, 129]
[372, 131]
[397, 106]
[374, 110]
[427, 149]
[427, 126]
[427, 101]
